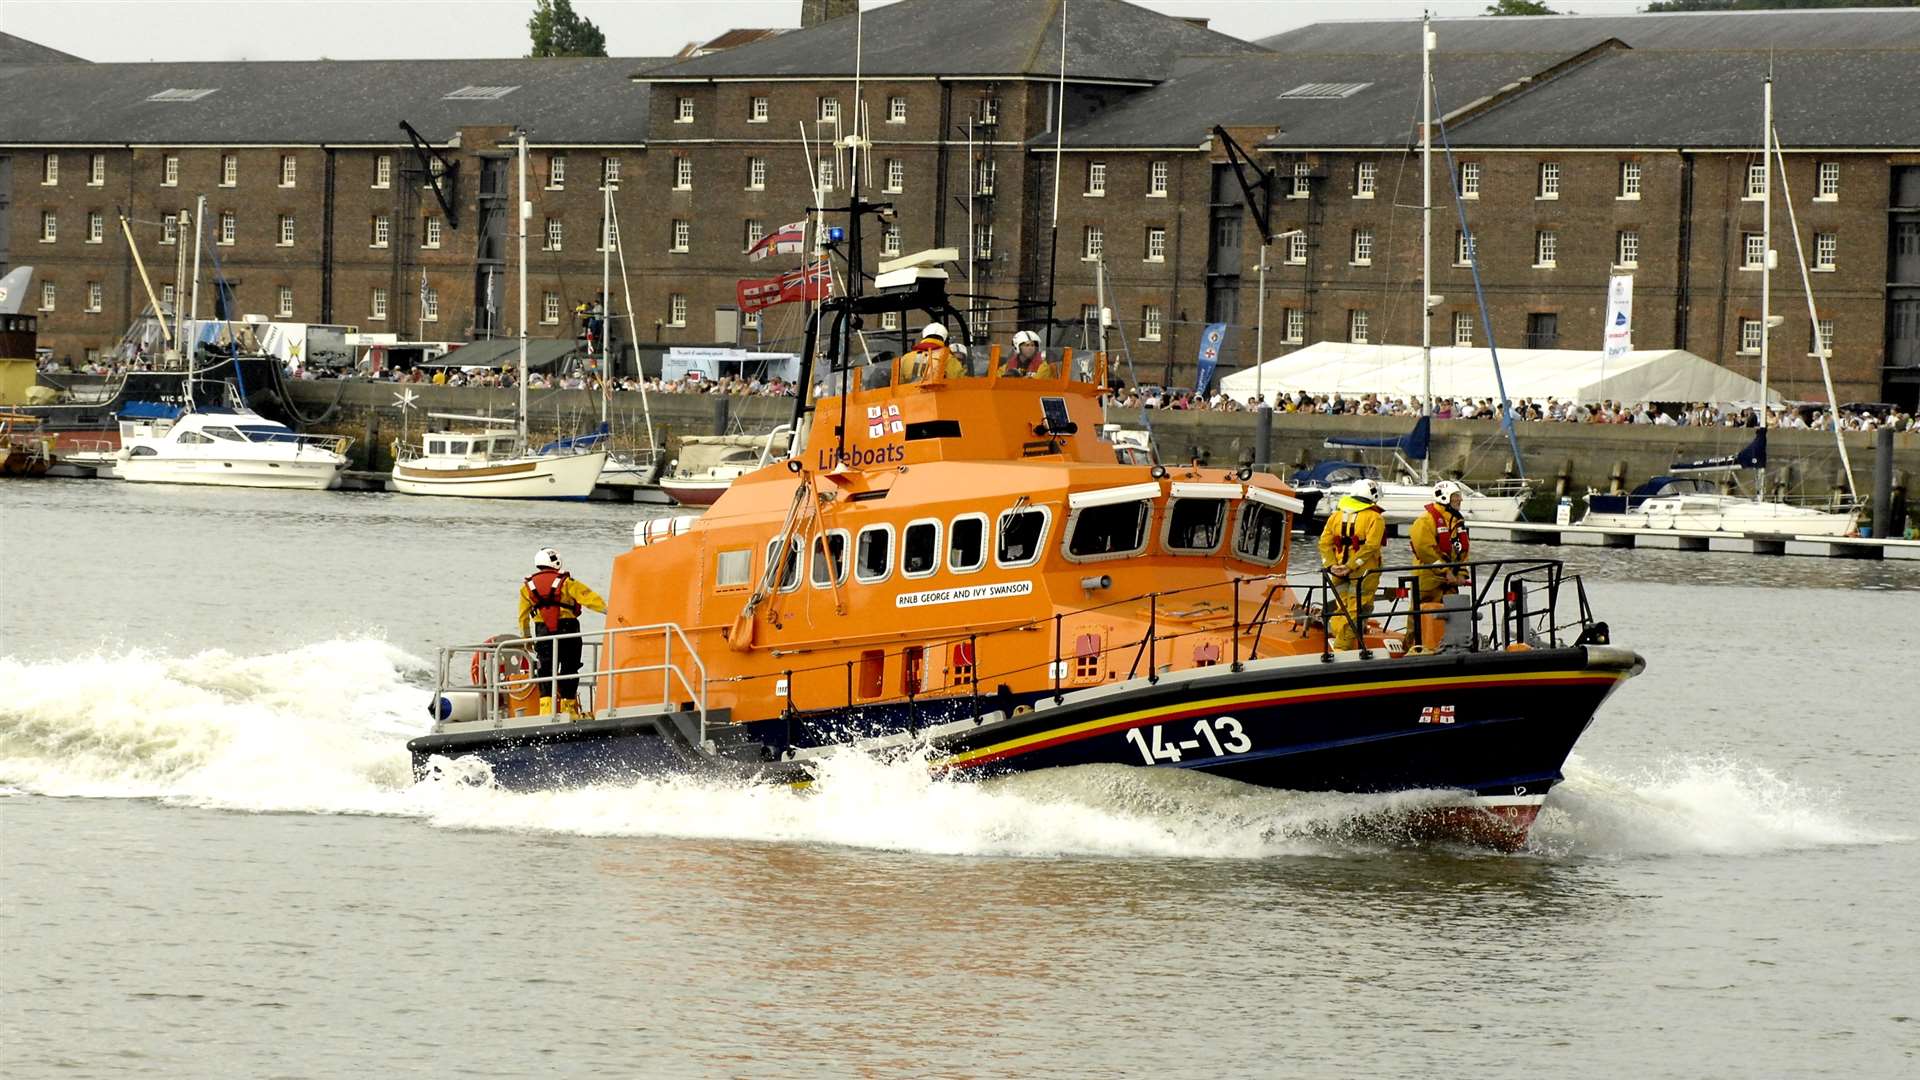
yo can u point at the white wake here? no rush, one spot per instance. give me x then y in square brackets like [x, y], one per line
[322, 729]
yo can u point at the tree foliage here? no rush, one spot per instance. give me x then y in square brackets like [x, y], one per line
[1519, 7]
[557, 31]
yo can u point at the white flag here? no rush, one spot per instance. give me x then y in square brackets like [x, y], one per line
[1619, 332]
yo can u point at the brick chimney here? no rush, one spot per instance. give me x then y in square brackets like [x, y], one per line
[815, 12]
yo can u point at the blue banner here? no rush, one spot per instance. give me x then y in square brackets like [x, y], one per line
[1210, 341]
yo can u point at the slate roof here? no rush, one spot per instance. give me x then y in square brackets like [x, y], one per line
[561, 100]
[1822, 98]
[18, 50]
[1245, 91]
[1106, 39]
[1825, 28]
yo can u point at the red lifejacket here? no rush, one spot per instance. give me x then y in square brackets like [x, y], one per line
[1449, 533]
[550, 599]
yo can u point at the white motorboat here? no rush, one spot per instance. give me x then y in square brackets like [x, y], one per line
[709, 464]
[489, 464]
[1403, 499]
[1695, 504]
[226, 447]
[1689, 501]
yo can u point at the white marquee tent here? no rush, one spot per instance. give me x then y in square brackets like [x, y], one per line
[1651, 375]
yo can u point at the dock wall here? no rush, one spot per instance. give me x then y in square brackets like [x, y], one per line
[1569, 458]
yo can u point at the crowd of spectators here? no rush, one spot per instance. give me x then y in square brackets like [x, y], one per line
[1698, 414]
[577, 380]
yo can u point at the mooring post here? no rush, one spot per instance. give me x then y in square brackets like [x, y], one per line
[1883, 483]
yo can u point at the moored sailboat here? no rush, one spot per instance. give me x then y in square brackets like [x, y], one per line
[485, 462]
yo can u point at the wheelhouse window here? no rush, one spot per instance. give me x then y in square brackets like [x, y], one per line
[829, 567]
[1196, 526]
[920, 549]
[1020, 535]
[967, 543]
[1262, 533]
[733, 568]
[873, 554]
[1110, 531]
[789, 567]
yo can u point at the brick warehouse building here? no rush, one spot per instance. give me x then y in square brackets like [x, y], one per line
[1587, 146]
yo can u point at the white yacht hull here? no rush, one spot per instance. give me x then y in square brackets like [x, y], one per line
[696, 492]
[559, 476]
[1402, 503]
[312, 475]
[1724, 513]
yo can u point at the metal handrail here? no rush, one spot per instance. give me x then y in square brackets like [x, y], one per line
[1516, 579]
[497, 652]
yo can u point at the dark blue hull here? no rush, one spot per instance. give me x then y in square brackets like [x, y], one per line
[1497, 726]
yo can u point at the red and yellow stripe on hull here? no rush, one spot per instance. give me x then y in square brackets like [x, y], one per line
[1041, 740]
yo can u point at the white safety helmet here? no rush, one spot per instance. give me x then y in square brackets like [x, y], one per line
[1026, 337]
[1365, 489]
[958, 349]
[934, 330]
[1445, 490]
[547, 559]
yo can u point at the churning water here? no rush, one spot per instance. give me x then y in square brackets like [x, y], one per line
[216, 862]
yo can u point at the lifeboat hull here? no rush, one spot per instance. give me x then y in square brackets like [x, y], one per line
[1482, 736]
[1495, 728]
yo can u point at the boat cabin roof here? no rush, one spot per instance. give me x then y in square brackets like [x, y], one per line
[1329, 473]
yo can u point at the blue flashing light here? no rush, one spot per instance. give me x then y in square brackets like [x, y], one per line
[835, 234]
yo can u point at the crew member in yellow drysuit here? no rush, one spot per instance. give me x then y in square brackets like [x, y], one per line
[1350, 550]
[1440, 541]
[931, 357]
[550, 605]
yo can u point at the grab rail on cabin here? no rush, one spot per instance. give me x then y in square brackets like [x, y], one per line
[505, 667]
[1516, 600]
[912, 659]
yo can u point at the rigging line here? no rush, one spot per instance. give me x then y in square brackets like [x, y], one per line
[1480, 297]
[626, 286]
[1820, 343]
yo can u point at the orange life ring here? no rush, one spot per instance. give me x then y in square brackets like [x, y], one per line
[516, 665]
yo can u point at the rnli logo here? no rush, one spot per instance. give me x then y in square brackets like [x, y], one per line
[1436, 714]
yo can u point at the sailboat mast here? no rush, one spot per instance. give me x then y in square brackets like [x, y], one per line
[973, 244]
[526, 215]
[606, 283]
[1426, 215]
[1059, 144]
[191, 344]
[1426, 221]
[1766, 265]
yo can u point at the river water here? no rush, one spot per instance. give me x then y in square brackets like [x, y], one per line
[215, 863]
